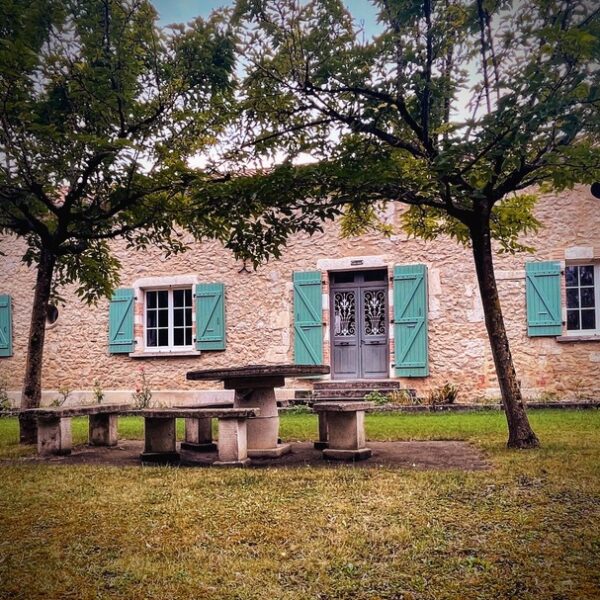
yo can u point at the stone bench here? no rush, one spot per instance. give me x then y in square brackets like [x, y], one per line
[54, 426]
[342, 429]
[198, 432]
[160, 440]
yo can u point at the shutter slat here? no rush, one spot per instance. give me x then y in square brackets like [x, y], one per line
[410, 321]
[120, 322]
[308, 325]
[544, 315]
[210, 316]
[5, 325]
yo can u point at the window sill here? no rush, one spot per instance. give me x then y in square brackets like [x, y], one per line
[173, 354]
[577, 338]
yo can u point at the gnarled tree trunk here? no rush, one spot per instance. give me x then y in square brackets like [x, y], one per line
[32, 385]
[520, 434]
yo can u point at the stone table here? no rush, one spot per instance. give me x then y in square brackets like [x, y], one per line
[254, 387]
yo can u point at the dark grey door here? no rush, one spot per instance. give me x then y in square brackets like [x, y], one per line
[359, 324]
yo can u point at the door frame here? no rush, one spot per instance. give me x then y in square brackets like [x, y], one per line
[384, 283]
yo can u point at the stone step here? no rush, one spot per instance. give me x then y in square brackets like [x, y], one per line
[361, 384]
[354, 393]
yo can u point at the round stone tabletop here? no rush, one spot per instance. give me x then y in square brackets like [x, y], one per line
[256, 371]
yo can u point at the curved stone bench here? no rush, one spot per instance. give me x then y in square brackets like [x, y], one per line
[345, 425]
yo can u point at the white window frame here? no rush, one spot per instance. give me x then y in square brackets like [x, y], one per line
[584, 332]
[171, 347]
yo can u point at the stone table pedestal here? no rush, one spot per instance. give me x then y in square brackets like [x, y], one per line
[254, 387]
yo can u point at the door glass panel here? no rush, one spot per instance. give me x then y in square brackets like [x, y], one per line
[375, 275]
[345, 313]
[374, 312]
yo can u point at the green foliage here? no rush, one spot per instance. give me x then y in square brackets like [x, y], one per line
[98, 392]
[5, 403]
[64, 392]
[445, 394]
[101, 110]
[142, 396]
[404, 116]
[404, 397]
[377, 398]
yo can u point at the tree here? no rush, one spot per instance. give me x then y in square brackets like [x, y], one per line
[458, 108]
[100, 111]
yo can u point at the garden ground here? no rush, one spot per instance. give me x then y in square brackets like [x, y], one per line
[527, 527]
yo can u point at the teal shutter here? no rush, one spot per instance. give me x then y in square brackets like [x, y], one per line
[5, 325]
[410, 321]
[544, 315]
[210, 316]
[308, 322]
[120, 322]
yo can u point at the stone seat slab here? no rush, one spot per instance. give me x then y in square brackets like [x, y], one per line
[50, 412]
[196, 413]
[343, 406]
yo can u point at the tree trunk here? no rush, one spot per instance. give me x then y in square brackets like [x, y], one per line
[520, 434]
[32, 385]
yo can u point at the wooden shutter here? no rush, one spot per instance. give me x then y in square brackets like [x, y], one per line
[308, 321]
[544, 315]
[210, 316]
[5, 325]
[410, 321]
[120, 322]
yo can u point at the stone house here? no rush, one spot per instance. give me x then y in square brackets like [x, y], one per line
[372, 308]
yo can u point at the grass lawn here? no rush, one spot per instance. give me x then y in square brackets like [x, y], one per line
[528, 528]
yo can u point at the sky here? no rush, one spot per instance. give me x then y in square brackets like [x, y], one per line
[181, 11]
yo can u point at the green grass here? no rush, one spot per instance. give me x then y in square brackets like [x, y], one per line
[528, 528]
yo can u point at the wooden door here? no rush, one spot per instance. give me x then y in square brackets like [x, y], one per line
[359, 325]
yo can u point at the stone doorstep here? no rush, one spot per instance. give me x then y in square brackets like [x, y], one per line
[348, 455]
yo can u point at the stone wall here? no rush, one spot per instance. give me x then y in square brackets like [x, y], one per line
[259, 312]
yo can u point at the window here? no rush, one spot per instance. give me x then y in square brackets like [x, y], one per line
[168, 319]
[582, 284]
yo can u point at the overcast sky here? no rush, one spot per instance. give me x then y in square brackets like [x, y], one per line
[180, 11]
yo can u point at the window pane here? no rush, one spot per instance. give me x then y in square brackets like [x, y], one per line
[151, 337]
[586, 275]
[178, 298]
[178, 337]
[163, 337]
[151, 318]
[163, 318]
[163, 299]
[188, 297]
[588, 319]
[573, 298]
[188, 317]
[151, 299]
[188, 336]
[571, 276]
[587, 297]
[572, 319]
[178, 317]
